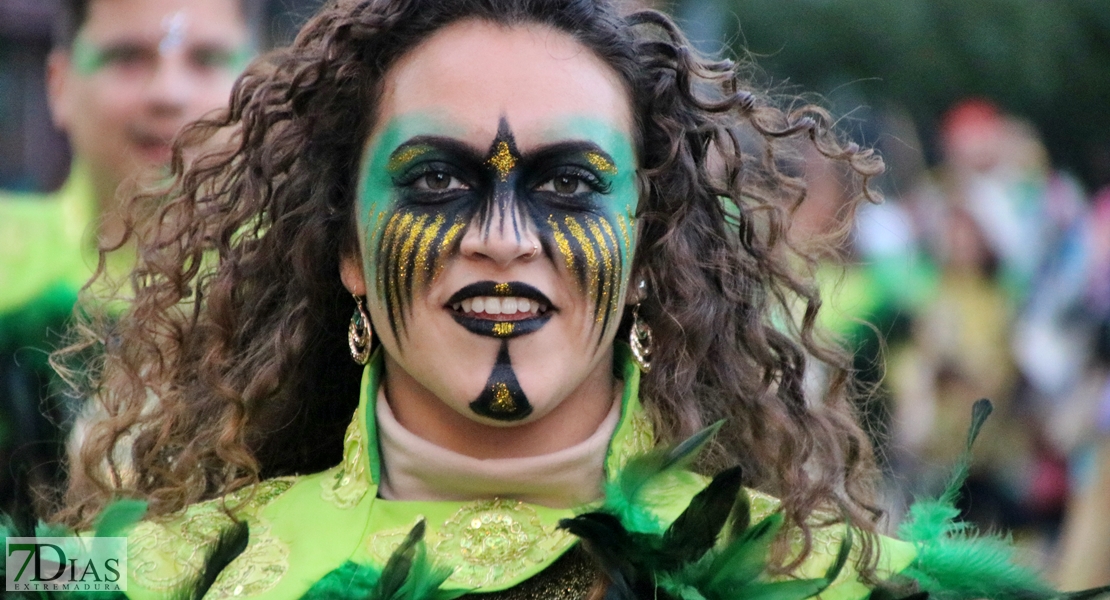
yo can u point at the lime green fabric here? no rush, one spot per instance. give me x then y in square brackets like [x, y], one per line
[301, 528]
[44, 261]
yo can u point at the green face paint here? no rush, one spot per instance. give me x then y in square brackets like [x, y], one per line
[420, 190]
[89, 59]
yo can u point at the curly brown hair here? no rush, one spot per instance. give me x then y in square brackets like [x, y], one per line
[229, 364]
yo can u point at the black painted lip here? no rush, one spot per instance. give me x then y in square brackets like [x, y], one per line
[492, 288]
[500, 329]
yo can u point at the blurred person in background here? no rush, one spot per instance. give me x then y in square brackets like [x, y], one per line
[123, 78]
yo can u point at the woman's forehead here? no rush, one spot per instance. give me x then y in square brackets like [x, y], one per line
[473, 73]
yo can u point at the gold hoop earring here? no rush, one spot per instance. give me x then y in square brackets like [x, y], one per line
[360, 333]
[639, 338]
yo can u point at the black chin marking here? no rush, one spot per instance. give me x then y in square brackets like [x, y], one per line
[502, 398]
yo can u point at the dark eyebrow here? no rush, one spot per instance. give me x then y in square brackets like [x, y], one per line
[445, 144]
[570, 147]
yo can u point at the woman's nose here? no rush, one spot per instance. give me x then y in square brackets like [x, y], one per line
[500, 240]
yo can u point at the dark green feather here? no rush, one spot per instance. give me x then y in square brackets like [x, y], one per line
[695, 531]
[119, 516]
[231, 542]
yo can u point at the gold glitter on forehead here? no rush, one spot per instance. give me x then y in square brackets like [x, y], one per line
[400, 159]
[502, 399]
[503, 328]
[502, 160]
[601, 163]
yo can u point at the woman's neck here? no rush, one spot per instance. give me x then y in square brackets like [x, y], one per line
[572, 421]
[416, 469]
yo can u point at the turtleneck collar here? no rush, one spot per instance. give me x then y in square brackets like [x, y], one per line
[416, 469]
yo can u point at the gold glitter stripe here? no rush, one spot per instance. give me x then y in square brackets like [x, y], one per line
[589, 256]
[601, 163]
[503, 328]
[607, 261]
[405, 273]
[402, 158]
[420, 264]
[625, 235]
[394, 267]
[445, 244]
[562, 242]
[385, 241]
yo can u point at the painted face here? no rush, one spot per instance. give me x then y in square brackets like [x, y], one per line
[138, 71]
[496, 206]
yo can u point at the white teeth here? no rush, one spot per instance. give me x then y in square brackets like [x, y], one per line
[495, 305]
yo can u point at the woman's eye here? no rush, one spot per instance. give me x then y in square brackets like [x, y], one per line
[564, 185]
[438, 181]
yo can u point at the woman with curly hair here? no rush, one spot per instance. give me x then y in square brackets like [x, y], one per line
[481, 201]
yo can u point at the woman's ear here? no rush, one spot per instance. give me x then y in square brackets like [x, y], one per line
[637, 290]
[350, 272]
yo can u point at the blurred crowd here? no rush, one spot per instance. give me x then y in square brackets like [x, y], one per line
[987, 277]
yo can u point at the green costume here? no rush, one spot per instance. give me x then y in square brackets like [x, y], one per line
[45, 258]
[302, 528]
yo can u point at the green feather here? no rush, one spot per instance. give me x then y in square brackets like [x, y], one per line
[622, 495]
[954, 561]
[347, 582]
[408, 575]
[231, 542]
[119, 516]
[695, 531]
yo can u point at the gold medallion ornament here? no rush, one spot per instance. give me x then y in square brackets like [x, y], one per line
[495, 539]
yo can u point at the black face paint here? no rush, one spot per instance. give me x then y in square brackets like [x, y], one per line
[560, 188]
[502, 398]
[505, 329]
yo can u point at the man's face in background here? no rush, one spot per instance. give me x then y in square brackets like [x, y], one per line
[139, 70]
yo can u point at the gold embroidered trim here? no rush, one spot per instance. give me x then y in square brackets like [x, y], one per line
[347, 483]
[640, 440]
[166, 555]
[488, 541]
[258, 569]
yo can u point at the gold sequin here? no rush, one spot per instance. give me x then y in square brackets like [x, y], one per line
[601, 163]
[502, 160]
[501, 289]
[502, 399]
[503, 329]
